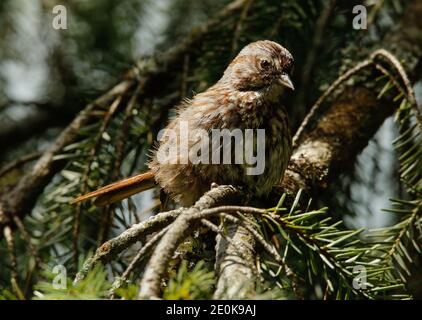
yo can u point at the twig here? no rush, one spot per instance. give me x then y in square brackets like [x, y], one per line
[238, 28]
[32, 249]
[276, 26]
[271, 250]
[185, 223]
[184, 78]
[212, 226]
[139, 231]
[19, 162]
[362, 65]
[308, 68]
[377, 6]
[27, 237]
[219, 230]
[391, 77]
[136, 233]
[316, 107]
[8, 235]
[145, 248]
[84, 183]
[403, 75]
[108, 211]
[226, 209]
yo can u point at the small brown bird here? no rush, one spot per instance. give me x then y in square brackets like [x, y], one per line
[247, 97]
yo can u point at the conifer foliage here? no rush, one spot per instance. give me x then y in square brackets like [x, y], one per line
[101, 114]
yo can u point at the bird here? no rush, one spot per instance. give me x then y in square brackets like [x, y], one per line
[246, 97]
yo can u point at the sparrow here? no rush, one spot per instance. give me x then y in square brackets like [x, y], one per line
[247, 97]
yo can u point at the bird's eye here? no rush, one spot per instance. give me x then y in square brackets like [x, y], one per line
[265, 64]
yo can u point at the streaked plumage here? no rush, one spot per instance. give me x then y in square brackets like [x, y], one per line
[246, 97]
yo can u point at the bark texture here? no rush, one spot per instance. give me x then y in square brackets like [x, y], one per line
[235, 263]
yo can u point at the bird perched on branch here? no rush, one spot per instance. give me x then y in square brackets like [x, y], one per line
[247, 97]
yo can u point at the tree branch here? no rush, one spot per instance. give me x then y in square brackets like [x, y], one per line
[235, 263]
[185, 223]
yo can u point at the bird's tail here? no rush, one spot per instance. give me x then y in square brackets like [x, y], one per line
[120, 190]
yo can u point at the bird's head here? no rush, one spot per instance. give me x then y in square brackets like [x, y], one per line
[262, 65]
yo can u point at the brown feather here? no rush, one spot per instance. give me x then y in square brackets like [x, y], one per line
[125, 188]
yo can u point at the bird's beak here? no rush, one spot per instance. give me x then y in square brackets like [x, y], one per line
[285, 81]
